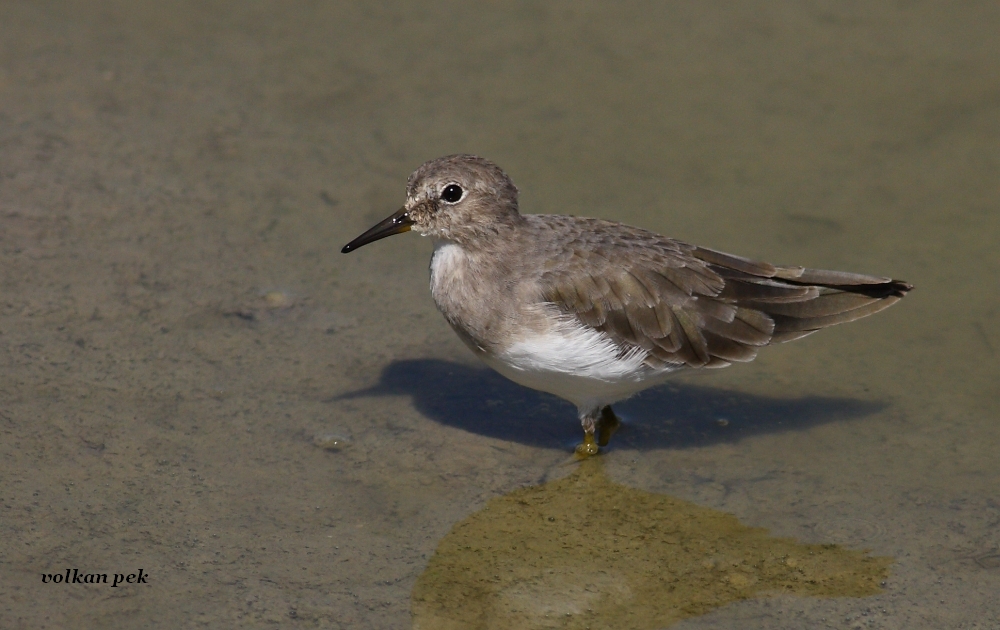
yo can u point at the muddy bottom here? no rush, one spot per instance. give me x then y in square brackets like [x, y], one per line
[199, 386]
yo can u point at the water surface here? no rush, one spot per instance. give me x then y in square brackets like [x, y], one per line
[198, 384]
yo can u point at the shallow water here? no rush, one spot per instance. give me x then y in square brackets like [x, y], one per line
[585, 552]
[198, 384]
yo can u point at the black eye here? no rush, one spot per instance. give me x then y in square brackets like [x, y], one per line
[451, 193]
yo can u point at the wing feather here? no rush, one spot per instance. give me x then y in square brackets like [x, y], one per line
[687, 305]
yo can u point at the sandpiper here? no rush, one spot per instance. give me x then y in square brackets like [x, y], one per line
[594, 311]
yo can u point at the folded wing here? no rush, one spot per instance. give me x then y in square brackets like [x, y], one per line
[687, 305]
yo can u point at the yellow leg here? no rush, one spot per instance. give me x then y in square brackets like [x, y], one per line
[589, 446]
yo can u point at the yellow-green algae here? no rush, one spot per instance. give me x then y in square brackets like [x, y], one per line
[584, 552]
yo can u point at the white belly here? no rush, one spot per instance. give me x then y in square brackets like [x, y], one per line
[576, 363]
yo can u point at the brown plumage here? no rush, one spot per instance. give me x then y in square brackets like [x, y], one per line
[691, 306]
[594, 311]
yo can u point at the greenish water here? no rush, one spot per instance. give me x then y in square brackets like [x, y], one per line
[198, 384]
[584, 552]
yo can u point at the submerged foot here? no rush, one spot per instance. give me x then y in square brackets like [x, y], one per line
[589, 446]
[599, 424]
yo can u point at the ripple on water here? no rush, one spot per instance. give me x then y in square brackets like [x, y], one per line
[333, 442]
[852, 530]
[990, 560]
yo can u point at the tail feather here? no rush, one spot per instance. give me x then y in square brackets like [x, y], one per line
[786, 323]
[801, 301]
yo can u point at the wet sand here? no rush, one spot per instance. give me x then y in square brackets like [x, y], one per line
[198, 384]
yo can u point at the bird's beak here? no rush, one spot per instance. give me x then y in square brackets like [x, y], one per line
[397, 223]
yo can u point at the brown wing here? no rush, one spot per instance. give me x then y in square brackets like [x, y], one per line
[687, 305]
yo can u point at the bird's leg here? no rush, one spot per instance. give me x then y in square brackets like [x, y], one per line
[589, 420]
[607, 424]
[599, 424]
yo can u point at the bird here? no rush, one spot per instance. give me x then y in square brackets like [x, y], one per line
[594, 311]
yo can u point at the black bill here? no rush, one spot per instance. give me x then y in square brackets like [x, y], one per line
[398, 223]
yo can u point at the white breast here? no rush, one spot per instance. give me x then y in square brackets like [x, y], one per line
[447, 271]
[453, 286]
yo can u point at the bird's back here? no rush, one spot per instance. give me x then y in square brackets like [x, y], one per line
[686, 305]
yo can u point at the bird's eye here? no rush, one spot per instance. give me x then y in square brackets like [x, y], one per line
[452, 193]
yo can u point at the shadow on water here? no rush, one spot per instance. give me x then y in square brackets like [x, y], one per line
[671, 416]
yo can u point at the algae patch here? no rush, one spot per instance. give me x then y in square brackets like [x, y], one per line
[584, 552]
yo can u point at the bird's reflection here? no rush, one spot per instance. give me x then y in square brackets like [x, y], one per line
[585, 552]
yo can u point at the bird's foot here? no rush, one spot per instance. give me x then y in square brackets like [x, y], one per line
[589, 446]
